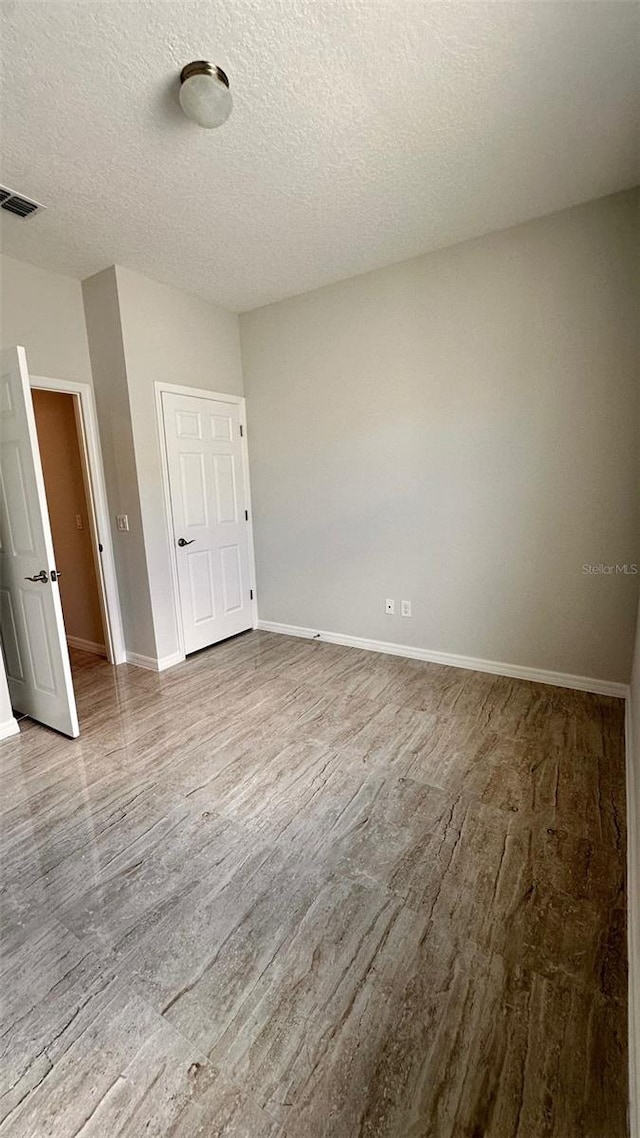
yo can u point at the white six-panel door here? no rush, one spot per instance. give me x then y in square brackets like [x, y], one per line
[33, 636]
[209, 517]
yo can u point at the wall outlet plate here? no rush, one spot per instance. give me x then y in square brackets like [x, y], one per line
[390, 606]
[405, 608]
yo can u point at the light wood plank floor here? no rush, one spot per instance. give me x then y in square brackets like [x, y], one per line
[294, 890]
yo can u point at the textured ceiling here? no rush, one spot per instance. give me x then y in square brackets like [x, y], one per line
[363, 132]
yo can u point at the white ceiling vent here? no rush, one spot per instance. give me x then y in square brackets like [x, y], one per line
[18, 204]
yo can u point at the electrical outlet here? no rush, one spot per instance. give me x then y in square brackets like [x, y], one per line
[390, 606]
[79, 524]
[405, 608]
[122, 522]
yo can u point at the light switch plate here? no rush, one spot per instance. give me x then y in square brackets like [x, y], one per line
[122, 522]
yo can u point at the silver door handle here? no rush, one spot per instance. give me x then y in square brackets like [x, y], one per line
[41, 576]
[182, 542]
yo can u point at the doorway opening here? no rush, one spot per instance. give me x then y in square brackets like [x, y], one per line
[84, 440]
[72, 519]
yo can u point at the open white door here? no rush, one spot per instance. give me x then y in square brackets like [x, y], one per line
[31, 622]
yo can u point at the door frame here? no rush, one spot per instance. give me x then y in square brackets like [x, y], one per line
[91, 454]
[220, 397]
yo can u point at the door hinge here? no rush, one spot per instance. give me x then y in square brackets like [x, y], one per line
[246, 515]
[241, 430]
[251, 594]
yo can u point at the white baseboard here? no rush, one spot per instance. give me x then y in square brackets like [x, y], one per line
[8, 728]
[152, 664]
[86, 645]
[633, 923]
[494, 667]
[170, 661]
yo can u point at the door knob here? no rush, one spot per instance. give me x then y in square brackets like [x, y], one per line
[41, 576]
[182, 542]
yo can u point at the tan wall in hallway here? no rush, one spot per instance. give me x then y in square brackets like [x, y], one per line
[60, 453]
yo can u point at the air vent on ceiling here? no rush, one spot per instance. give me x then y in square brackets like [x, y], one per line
[17, 203]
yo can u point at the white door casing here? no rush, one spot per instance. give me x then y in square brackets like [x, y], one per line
[89, 439]
[209, 515]
[33, 634]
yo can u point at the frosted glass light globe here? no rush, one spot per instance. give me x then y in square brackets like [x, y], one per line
[204, 94]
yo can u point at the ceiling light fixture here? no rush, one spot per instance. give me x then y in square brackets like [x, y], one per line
[204, 94]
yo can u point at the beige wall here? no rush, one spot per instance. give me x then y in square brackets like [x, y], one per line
[120, 469]
[66, 498]
[173, 337]
[457, 430]
[44, 313]
[140, 332]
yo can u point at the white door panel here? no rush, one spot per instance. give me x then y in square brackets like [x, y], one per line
[12, 657]
[225, 484]
[231, 578]
[31, 621]
[208, 504]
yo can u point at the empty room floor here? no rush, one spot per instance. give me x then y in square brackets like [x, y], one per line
[292, 889]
